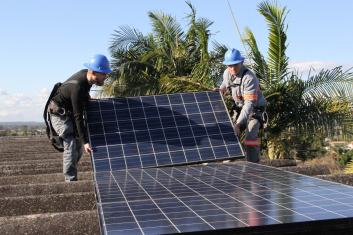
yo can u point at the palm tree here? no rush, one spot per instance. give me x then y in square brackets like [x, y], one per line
[168, 60]
[297, 106]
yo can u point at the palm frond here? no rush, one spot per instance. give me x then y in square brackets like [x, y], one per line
[334, 83]
[275, 16]
[125, 37]
[166, 28]
[260, 65]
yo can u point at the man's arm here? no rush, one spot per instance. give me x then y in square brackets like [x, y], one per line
[251, 84]
[223, 86]
[78, 97]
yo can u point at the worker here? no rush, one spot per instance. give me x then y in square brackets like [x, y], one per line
[249, 101]
[66, 109]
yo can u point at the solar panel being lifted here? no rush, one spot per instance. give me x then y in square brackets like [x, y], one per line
[160, 130]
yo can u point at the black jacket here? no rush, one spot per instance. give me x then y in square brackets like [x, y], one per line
[74, 97]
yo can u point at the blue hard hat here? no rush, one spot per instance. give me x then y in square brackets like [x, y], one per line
[98, 63]
[233, 56]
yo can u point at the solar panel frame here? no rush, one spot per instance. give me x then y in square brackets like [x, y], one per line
[218, 198]
[211, 130]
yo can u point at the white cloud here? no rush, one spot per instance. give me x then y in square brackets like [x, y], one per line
[3, 92]
[303, 67]
[20, 107]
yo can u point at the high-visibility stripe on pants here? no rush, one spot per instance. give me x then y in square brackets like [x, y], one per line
[251, 142]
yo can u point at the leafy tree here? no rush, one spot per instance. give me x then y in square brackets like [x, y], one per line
[297, 106]
[24, 129]
[167, 60]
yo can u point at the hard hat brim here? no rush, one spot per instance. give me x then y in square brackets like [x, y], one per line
[233, 62]
[97, 69]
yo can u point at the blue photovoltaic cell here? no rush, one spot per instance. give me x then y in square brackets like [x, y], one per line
[160, 130]
[216, 198]
[106, 105]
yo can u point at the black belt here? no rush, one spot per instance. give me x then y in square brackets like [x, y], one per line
[53, 108]
[257, 108]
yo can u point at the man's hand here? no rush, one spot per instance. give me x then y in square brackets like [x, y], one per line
[87, 148]
[217, 89]
[237, 129]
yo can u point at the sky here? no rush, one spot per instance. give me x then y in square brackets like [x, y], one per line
[44, 42]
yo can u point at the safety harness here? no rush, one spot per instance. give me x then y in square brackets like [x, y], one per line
[263, 120]
[229, 92]
[52, 108]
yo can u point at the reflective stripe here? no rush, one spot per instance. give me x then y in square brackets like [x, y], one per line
[250, 97]
[238, 97]
[251, 142]
[258, 88]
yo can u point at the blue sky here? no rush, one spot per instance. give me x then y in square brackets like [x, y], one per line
[44, 42]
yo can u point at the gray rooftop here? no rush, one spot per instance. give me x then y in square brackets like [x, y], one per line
[34, 199]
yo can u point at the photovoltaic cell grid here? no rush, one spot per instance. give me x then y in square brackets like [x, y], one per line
[147, 131]
[216, 197]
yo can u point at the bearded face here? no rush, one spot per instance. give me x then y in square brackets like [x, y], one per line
[99, 78]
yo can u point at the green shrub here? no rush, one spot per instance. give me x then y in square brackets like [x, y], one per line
[345, 158]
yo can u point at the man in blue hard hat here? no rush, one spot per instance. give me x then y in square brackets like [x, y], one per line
[249, 101]
[66, 110]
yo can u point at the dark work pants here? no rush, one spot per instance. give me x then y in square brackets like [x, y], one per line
[251, 143]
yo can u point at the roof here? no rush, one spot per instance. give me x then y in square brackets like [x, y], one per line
[34, 199]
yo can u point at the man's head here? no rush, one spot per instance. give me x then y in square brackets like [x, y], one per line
[96, 78]
[98, 68]
[234, 69]
[234, 61]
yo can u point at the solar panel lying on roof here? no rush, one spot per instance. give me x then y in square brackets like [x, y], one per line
[160, 130]
[239, 197]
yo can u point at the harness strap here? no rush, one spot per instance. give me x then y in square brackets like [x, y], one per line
[241, 80]
[45, 114]
[265, 124]
[71, 81]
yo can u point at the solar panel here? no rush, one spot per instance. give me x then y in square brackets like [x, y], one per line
[160, 130]
[133, 137]
[219, 198]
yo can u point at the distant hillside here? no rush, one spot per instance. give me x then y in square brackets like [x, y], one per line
[22, 123]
